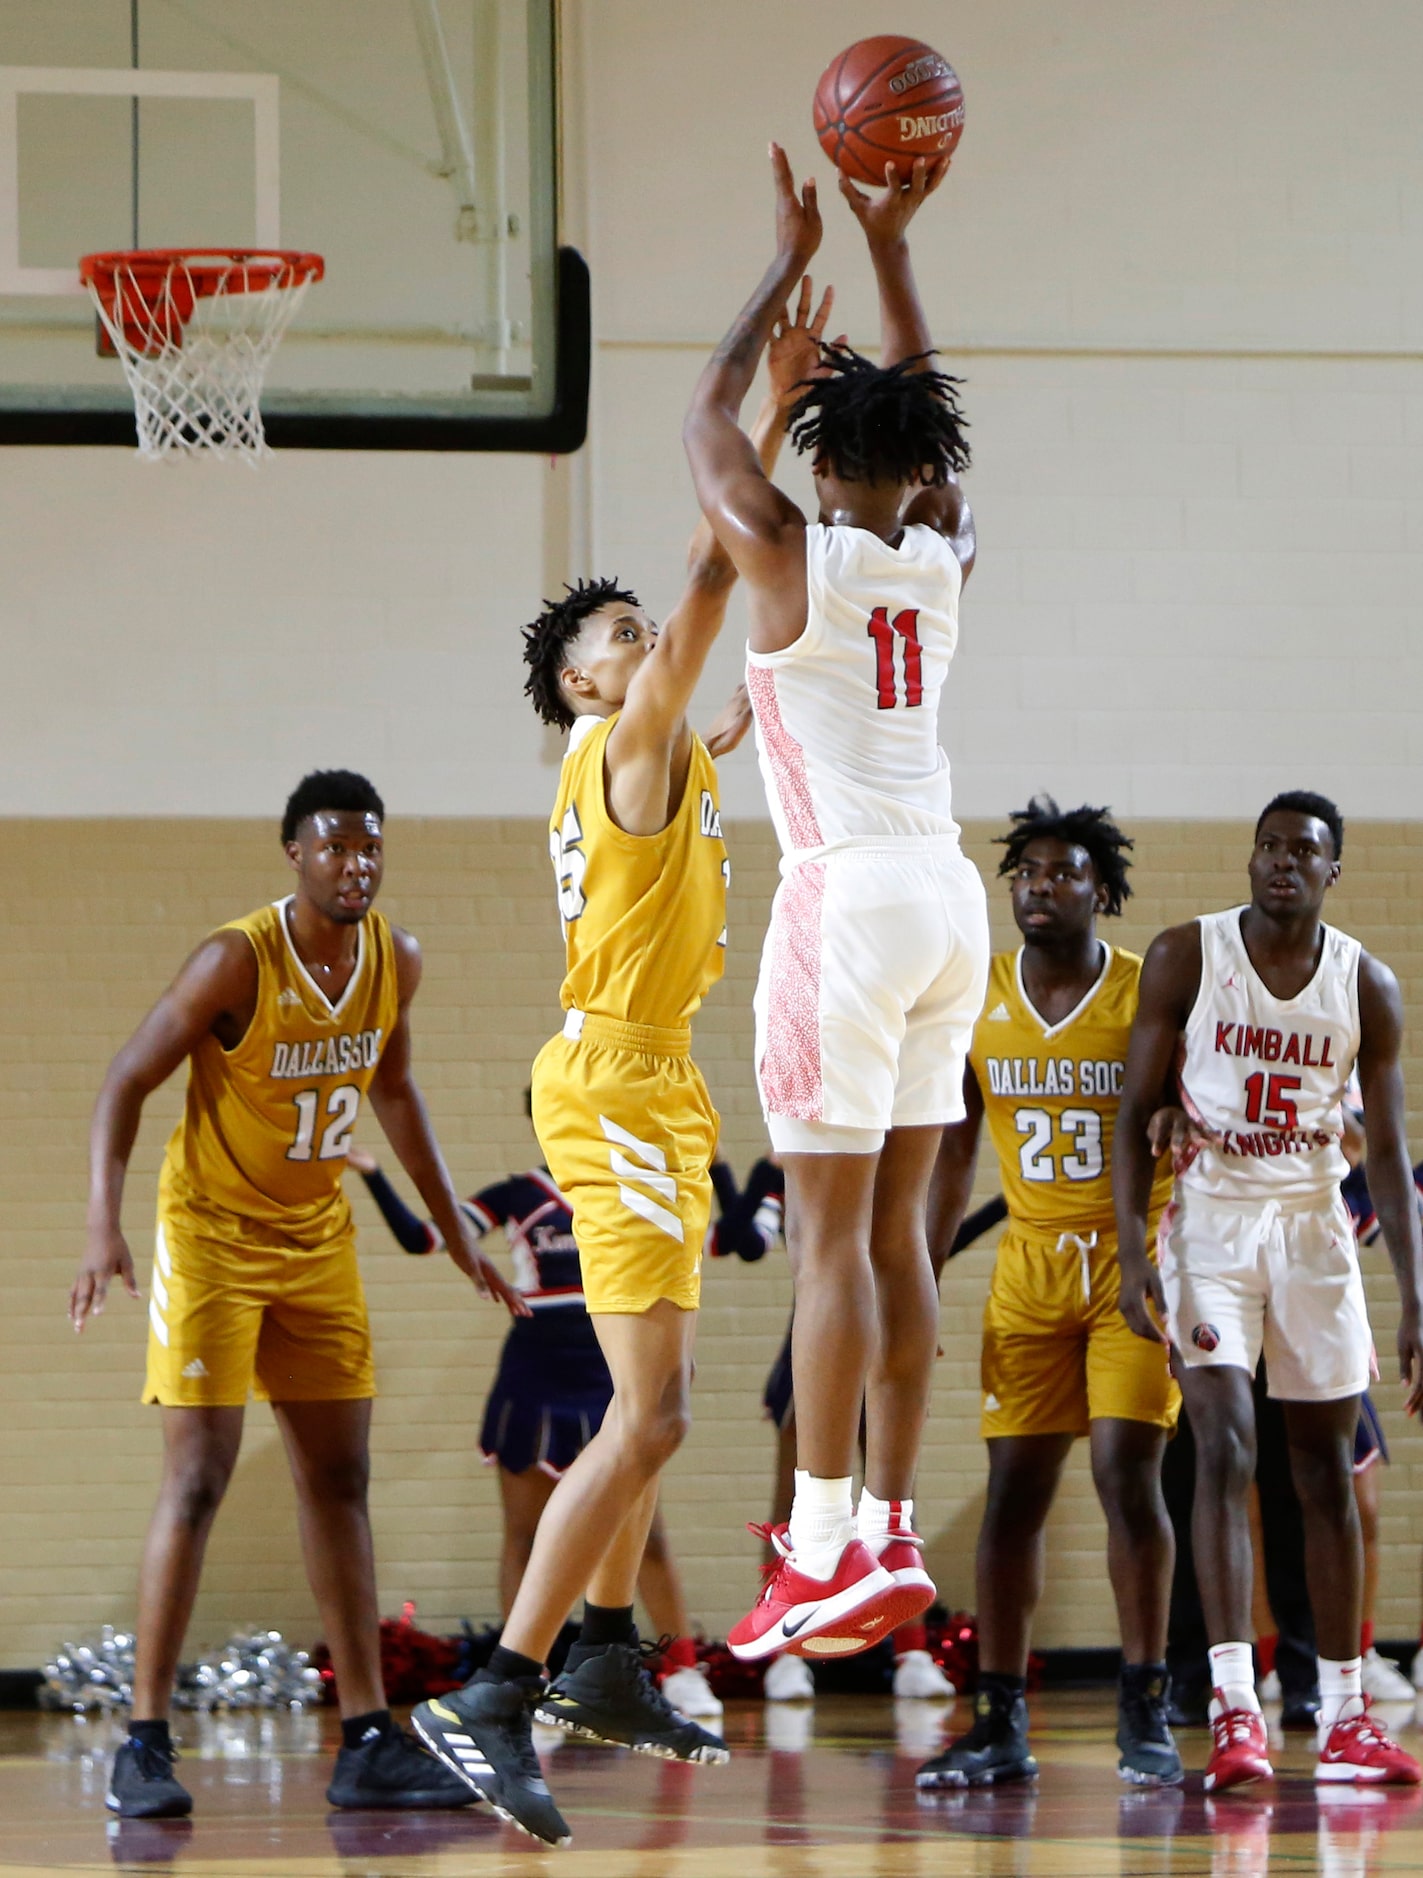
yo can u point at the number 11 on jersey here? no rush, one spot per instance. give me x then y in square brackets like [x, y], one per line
[885, 631]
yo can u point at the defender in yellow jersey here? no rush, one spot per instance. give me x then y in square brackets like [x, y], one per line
[288, 1019]
[628, 1131]
[1059, 1360]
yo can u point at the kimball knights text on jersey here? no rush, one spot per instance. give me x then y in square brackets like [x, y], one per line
[327, 1056]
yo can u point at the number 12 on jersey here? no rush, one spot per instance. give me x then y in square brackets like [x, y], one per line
[904, 627]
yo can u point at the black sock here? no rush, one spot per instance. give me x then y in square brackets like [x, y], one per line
[151, 1734]
[997, 1683]
[606, 1623]
[355, 1730]
[1143, 1678]
[508, 1666]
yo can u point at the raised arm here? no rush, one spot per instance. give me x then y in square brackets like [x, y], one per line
[215, 990]
[1170, 979]
[761, 529]
[400, 1109]
[904, 326]
[1391, 1185]
[648, 747]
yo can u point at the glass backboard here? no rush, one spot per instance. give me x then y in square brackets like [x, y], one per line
[412, 143]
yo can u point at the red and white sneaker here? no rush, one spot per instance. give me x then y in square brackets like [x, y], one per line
[1359, 1748]
[837, 1616]
[898, 1551]
[1241, 1750]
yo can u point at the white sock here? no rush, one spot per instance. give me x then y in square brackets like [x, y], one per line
[1233, 1677]
[1341, 1691]
[877, 1520]
[822, 1523]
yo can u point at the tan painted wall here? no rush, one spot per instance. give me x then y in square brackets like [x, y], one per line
[97, 914]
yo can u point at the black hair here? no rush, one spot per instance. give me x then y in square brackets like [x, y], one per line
[547, 639]
[1093, 830]
[881, 423]
[1306, 802]
[339, 789]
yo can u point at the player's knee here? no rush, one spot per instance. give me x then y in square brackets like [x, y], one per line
[650, 1437]
[344, 1481]
[1131, 1500]
[1225, 1460]
[1324, 1481]
[194, 1489]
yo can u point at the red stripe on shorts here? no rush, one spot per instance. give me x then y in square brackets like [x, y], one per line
[789, 1070]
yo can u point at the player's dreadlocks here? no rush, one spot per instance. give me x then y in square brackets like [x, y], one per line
[337, 789]
[1306, 802]
[881, 424]
[547, 639]
[1091, 829]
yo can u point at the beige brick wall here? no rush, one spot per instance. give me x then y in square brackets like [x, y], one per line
[98, 913]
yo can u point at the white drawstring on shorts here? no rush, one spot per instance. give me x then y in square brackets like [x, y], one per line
[1086, 1244]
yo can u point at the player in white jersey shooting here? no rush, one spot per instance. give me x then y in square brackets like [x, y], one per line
[877, 954]
[1264, 1011]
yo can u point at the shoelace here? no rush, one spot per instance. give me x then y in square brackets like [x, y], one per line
[1365, 1730]
[633, 1663]
[155, 1762]
[1234, 1728]
[1148, 1715]
[779, 1539]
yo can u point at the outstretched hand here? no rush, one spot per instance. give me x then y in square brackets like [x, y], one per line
[798, 228]
[793, 355]
[1410, 1364]
[730, 724]
[884, 218]
[1173, 1129]
[1142, 1301]
[106, 1257]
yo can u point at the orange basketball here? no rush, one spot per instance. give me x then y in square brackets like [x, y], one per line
[887, 100]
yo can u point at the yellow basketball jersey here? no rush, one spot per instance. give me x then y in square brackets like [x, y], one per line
[264, 1134]
[644, 916]
[1051, 1094]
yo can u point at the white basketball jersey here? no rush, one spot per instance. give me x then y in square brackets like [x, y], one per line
[1268, 1074]
[847, 718]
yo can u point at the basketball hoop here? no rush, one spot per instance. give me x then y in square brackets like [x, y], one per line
[194, 329]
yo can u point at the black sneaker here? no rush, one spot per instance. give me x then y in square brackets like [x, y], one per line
[1148, 1757]
[993, 1751]
[484, 1734]
[390, 1771]
[607, 1694]
[142, 1785]
[1300, 1710]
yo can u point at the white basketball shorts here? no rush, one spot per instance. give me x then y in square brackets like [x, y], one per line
[872, 978]
[1240, 1279]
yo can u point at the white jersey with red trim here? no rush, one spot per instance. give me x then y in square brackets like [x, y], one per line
[847, 718]
[1267, 1075]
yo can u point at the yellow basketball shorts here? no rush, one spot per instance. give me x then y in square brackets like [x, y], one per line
[628, 1130]
[282, 1321]
[1057, 1352]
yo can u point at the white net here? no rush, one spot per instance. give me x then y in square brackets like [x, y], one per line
[195, 334]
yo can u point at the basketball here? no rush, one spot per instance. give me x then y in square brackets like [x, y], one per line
[887, 100]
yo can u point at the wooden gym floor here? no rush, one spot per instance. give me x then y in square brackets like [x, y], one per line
[809, 1793]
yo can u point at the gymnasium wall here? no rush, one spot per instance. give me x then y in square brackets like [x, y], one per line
[1179, 266]
[97, 912]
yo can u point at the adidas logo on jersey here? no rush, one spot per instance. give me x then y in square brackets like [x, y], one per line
[998, 1015]
[287, 996]
[196, 1368]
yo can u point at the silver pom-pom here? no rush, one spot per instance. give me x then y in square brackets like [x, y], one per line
[255, 1669]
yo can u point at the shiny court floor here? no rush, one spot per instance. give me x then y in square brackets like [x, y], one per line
[828, 1790]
